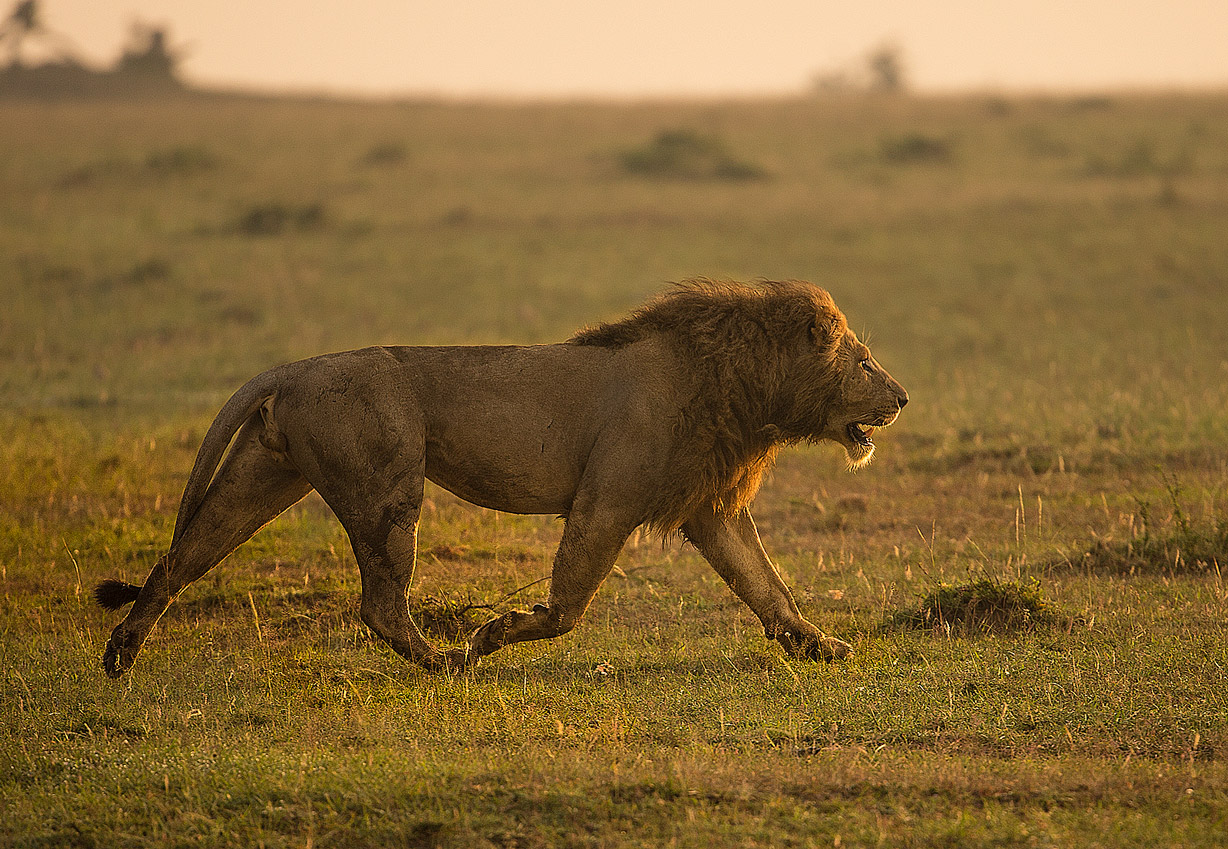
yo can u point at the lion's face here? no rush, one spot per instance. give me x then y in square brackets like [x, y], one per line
[868, 397]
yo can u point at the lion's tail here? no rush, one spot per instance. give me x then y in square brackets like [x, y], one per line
[112, 594]
[241, 406]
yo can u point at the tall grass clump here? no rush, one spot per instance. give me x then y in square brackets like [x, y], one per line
[982, 606]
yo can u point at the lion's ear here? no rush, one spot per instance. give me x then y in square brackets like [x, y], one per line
[826, 329]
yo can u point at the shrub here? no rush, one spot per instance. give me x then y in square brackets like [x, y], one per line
[384, 154]
[157, 165]
[180, 160]
[684, 154]
[914, 147]
[271, 219]
[1139, 159]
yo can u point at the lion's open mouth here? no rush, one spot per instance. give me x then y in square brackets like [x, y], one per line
[861, 433]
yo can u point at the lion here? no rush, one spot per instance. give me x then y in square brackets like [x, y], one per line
[667, 419]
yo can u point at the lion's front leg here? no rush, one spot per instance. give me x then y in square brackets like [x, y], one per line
[733, 548]
[592, 539]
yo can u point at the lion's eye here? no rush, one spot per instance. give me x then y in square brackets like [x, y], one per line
[869, 369]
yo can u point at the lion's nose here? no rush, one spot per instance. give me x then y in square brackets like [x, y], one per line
[903, 399]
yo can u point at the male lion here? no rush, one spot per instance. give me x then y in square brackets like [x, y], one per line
[668, 418]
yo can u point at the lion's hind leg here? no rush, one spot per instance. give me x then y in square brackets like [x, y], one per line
[386, 554]
[383, 531]
[363, 447]
[250, 489]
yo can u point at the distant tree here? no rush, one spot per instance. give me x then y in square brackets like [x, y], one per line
[148, 54]
[881, 70]
[886, 66]
[148, 63]
[24, 23]
[25, 15]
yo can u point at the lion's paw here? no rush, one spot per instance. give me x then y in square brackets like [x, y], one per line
[120, 653]
[829, 648]
[816, 646]
[451, 660]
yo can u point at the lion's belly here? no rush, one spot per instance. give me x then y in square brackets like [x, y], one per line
[504, 476]
[510, 428]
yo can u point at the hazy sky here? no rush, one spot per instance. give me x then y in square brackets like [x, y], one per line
[662, 47]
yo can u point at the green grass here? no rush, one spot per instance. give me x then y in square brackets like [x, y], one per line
[1044, 276]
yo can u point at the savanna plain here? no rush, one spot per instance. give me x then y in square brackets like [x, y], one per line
[1030, 571]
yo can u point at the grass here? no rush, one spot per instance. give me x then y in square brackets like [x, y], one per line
[1049, 290]
[1180, 544]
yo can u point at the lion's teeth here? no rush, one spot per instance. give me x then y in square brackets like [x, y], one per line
[860, 433]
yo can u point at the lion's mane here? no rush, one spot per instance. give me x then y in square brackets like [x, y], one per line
[761, 362]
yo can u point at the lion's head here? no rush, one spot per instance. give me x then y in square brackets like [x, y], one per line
[868, 398]
[770, 364]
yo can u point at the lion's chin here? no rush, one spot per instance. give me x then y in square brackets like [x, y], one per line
[858, 444]
[858, 455]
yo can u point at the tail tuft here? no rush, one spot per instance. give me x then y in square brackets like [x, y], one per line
[113, 594]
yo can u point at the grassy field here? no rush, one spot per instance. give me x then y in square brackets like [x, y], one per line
[1047, 277]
